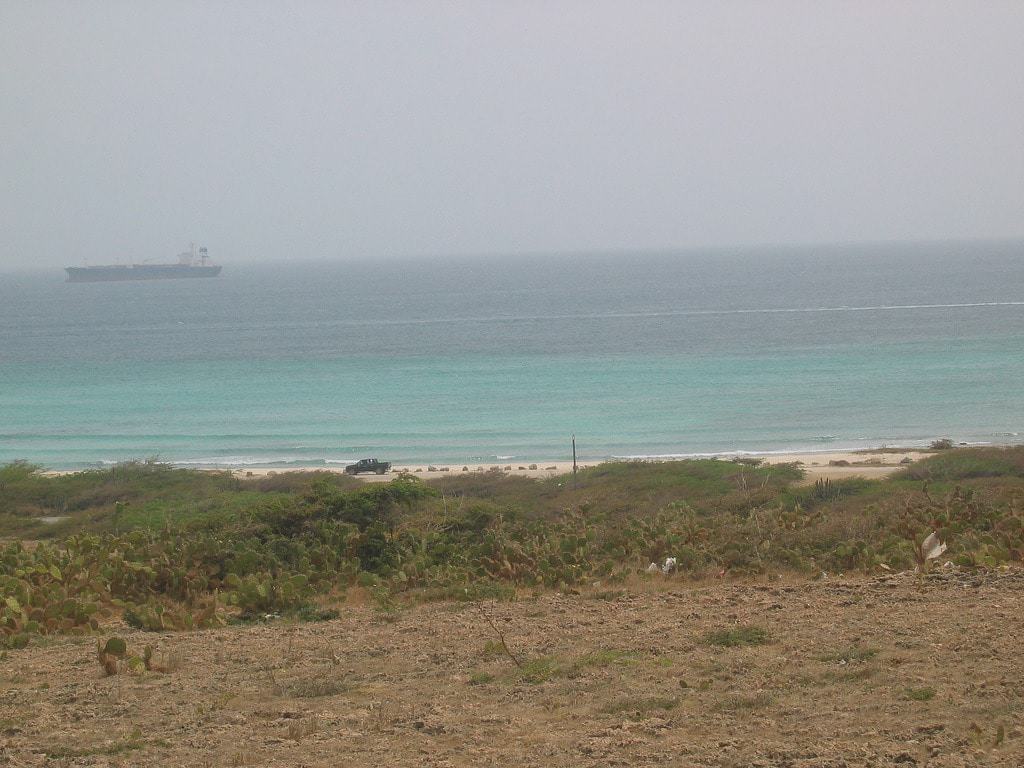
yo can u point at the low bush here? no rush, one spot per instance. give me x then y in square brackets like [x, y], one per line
[218, 548]
[967, 464]
[737, 636]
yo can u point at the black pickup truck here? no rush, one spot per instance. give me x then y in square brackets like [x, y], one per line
[368, 465]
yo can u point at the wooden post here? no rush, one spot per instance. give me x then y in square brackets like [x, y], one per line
[574, 461]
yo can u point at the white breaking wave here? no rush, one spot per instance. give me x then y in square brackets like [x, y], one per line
[241, 461]
[778, 310]
[707, 455]
[686, 313]
[870, 308]
[236, 461]
[731, 453]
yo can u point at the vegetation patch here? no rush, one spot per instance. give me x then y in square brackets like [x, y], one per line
[967, 464]
[737, 636]
[609, 595]
[544, 668]
[121, 747]
[849, 674]
[850, 655]
[742, 702]
[467, 592]
[314, 687]
[174, 550]
[640, 708]
[541, 669]
[605, 658]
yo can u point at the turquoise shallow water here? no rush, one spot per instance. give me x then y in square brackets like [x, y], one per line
[459, 361]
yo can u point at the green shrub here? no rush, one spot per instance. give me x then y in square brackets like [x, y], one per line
[639, 708]
[267, 594]
[920, 694]
[737, 636]
[175, 549]
[968, 463]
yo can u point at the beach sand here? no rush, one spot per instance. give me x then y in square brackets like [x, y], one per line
[835, 465]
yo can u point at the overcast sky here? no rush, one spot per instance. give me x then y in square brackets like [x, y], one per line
[276, 130]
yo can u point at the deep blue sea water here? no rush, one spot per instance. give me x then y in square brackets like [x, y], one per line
[461, 359]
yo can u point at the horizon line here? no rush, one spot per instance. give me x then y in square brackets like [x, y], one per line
[602, 251]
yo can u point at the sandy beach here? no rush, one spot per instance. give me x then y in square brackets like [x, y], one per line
[833, 465]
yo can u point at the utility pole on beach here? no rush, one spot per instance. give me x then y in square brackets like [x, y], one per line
[574, 461]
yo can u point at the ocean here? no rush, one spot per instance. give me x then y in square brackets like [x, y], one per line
[488, 359]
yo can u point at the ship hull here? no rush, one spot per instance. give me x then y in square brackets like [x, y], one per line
[139, 272]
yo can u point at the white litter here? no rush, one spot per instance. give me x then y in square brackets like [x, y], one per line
[666, 569]
[931, 547]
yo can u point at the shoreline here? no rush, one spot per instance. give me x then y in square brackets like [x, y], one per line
[832, 465]
[817, 465]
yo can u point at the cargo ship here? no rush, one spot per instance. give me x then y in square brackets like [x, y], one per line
[191, 263]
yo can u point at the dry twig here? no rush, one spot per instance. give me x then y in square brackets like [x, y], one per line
[501, 638]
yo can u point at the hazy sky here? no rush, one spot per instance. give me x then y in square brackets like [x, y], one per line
[350, 130]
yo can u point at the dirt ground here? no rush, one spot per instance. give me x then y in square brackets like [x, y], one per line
[859, 672]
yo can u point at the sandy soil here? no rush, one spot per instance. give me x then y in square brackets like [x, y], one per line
[870, 464]
[861, 672]
[835, 465]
